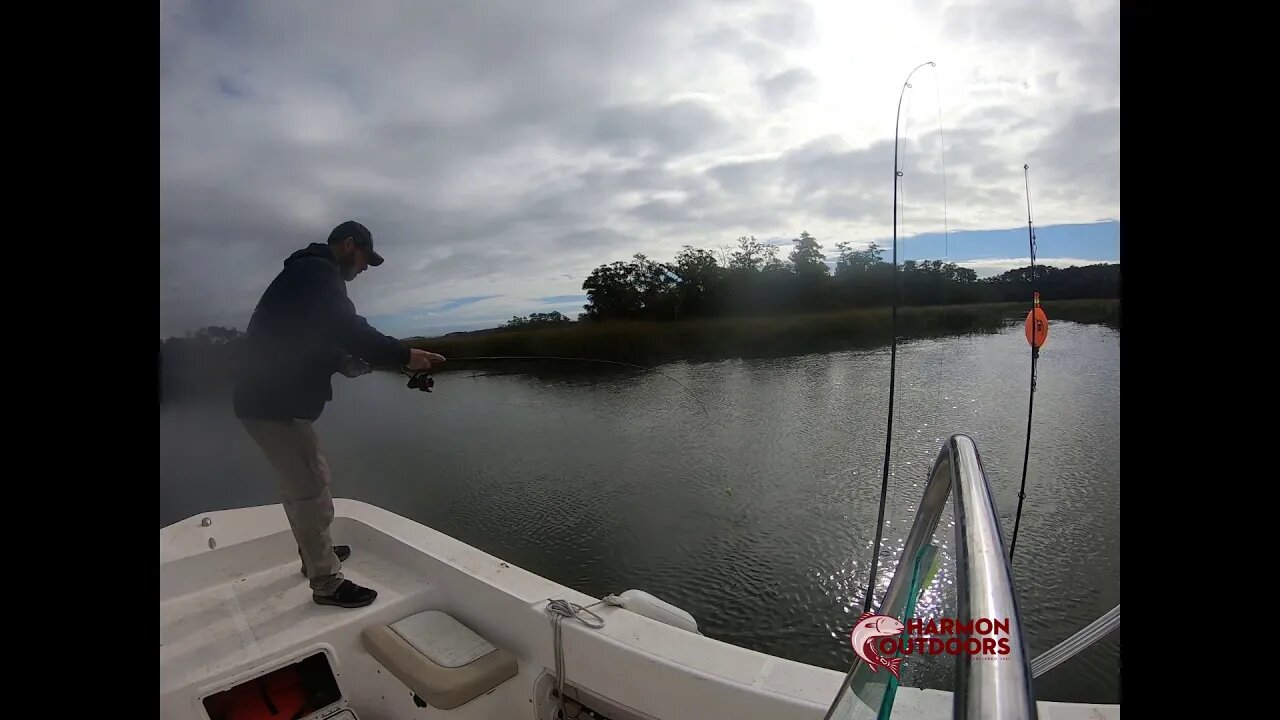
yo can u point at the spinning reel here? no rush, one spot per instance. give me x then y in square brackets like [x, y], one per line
[352, 366]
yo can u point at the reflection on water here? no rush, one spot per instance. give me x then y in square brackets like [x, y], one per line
[758, 516]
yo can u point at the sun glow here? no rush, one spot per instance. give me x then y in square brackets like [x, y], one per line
[861, 55]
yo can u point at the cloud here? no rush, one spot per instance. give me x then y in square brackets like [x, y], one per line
[503, 150]
[486, 313]
[787, 85]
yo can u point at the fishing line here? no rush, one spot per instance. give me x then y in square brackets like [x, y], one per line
[487, 358]
[942, 148]
[946, 229]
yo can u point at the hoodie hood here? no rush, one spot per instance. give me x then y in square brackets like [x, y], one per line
[316, 250]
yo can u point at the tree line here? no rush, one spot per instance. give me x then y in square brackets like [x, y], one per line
[750, 279]
[208, 354]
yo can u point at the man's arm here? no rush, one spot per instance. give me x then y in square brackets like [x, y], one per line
[338, 320]
[357, 337]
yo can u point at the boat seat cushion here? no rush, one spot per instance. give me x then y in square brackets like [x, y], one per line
[445, 662]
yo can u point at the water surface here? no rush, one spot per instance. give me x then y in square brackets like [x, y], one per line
[758, 516]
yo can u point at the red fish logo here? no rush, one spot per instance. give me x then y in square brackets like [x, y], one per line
[870, 628]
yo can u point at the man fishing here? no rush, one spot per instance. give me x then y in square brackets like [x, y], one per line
[303, 330]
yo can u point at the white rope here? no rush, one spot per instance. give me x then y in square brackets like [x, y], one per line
[559, 610]
[1090, 634]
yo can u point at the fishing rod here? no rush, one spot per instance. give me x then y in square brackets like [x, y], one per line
[1037, 331]
[893, 352]
[423, 381]
[847, 685]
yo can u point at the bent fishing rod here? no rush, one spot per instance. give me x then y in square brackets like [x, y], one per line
[893, 351]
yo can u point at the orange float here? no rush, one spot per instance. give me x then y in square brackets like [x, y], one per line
[1037, 324]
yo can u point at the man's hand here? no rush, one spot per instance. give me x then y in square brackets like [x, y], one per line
[421, 359]
[352, 366]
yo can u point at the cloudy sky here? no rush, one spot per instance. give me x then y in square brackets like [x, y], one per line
[501, 150]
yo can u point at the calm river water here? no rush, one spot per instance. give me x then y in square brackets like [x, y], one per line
[758, 516]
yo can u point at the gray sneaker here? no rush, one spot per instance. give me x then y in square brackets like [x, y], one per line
[348, 595]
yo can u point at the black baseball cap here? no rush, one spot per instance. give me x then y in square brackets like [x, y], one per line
[361, 235]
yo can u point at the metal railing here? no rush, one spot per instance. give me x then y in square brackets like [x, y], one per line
[999, 688]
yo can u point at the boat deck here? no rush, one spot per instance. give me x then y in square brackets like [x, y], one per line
[240, 606]
[251, 601]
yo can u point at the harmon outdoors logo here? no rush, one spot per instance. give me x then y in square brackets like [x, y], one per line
[876, 636]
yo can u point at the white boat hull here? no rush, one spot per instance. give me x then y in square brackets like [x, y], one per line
[234, 604]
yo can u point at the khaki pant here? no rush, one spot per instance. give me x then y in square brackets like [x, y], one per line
[294, 452]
